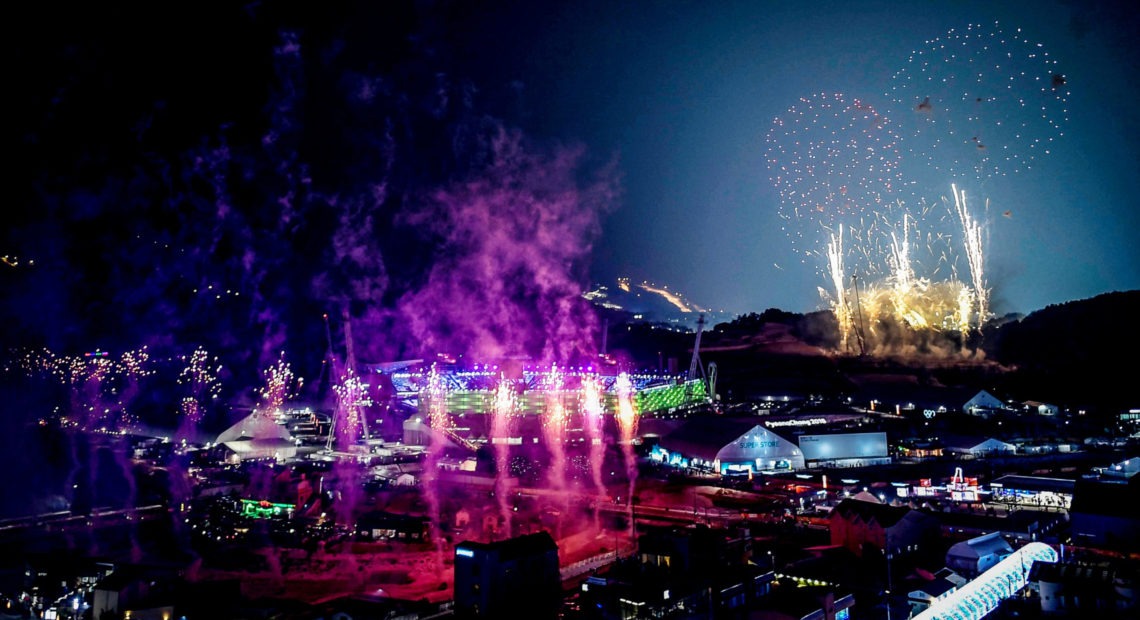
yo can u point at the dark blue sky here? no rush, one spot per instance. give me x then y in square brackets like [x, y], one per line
[187, 169]
[687, 92]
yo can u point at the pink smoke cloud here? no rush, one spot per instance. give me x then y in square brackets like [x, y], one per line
[514, 240]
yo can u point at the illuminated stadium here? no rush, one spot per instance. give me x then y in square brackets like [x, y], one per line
[536, 390]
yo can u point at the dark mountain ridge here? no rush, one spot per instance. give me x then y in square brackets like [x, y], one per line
[1077, 354]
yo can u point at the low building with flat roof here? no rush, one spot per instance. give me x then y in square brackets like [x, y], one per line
[508, 578]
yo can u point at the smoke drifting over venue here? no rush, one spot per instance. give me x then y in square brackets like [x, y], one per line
[306, 305]
[215, 231]
[329, 192]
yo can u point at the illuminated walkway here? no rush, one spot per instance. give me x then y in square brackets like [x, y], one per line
[982, 595]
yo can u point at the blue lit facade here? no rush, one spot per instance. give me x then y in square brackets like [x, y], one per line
[757, 449]
[981, 596]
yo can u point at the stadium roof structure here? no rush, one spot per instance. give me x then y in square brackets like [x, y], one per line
[472, 388]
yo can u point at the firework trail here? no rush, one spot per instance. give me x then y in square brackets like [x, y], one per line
[627, 423]
[835, 162]
[439, 422]
[555, 419]
[902, 270]
[972, 238]
[593, 421]
[346, 437]
[500, 436]
[200, 377]
[348, 427]
[279, 387]
[839, 305]
[903, 284]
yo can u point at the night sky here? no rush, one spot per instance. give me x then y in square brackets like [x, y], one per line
[688, 94]
[453, 175]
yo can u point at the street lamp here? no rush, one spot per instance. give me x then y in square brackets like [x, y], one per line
[888, 585]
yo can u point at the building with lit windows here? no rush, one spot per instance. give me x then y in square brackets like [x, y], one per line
[727, 445]
[753, 444]
[1033, 491]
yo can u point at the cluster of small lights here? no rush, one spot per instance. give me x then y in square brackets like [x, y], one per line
[833, 161]
[556, 416]
[351, 399]
[669, 397]
[190, 409]
[482, 379]
[904, 299]
[217, 292]
[280, 386]
[15, 262]
[96, 382]
[980, 101]
[626, 413]
[137, 363]
[200, 376]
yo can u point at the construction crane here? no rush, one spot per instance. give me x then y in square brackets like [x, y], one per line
[859, 315]
[349, 371]
[712, 381]
[695, 366]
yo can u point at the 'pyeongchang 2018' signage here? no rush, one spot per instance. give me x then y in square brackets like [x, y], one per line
[804, 422]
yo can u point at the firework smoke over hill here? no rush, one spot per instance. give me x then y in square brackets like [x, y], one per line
[978, 105]
[883, 269]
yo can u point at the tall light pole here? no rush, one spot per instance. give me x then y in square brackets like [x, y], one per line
[888, 585]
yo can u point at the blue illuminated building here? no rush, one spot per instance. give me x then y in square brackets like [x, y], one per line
[981, 596]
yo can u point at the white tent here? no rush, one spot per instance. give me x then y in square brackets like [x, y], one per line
[982, 402]
[258, 436]
[977, 447]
